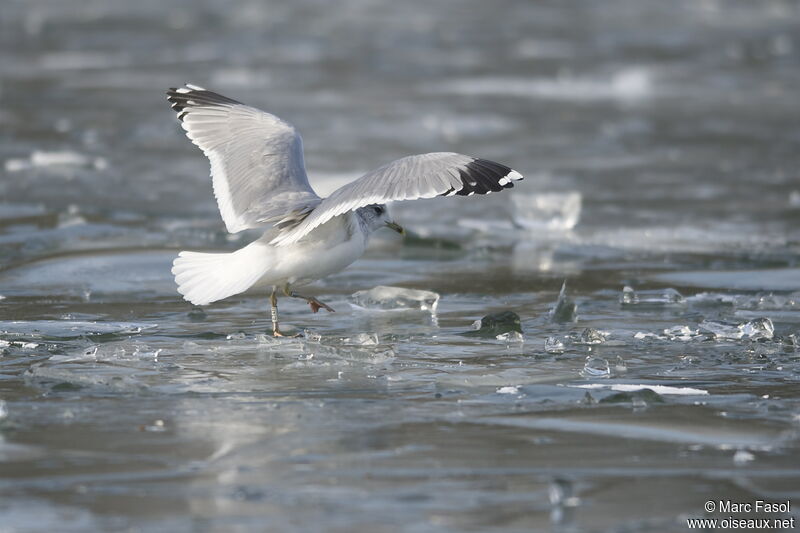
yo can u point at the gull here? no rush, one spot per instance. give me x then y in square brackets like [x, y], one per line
[259, 179]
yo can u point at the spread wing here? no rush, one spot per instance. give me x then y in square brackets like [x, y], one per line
[409, 178]
[257, 165]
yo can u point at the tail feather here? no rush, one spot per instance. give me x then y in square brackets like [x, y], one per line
[204, 278]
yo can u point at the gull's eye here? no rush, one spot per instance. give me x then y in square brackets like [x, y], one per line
[378, 210]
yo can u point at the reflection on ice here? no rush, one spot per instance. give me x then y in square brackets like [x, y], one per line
[650, 298]
[548, 211]
[395, 298]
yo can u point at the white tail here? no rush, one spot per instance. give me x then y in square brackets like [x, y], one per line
[205, 278]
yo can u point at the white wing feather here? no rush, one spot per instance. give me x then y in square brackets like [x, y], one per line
[409, 178]
[257, 167]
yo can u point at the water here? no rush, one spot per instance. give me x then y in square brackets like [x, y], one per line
[660, 147]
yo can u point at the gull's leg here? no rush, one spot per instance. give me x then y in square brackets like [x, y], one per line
[315, 304]
[273, 300]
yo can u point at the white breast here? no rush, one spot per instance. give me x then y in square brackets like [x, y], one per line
[328, 249]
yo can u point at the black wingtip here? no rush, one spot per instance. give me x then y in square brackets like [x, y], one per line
[182, 99]
[481, 176]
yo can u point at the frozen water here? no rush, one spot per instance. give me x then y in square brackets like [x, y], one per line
[626, 84]
[342, 428]
[548, 211]
[596, 367]
[565, 310]
[70, 328]
[630, 387]
[650, 298]
[681, 333]
[768, 279]
[395, 298]
[760, 328]
[592, 336]
[65, 158]
[554, 345]
[742, 457]
[511, 336]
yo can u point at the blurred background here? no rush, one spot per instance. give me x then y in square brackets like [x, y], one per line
[660, 143]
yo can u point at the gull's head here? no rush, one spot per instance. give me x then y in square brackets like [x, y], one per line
[376, 216]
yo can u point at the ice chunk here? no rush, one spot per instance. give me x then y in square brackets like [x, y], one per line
[565, 309]
[362, 339]
[514, 336]
[508, 390]
[681, 333]
[629, 387]
[759, 328]
[396, 298]
[552, 211]
[496, 324]
[554, 345]
[562, 493]
[722, 330]
[742, 457]
[592, 336]
[596, 367]
[650, 298]
[3, 410]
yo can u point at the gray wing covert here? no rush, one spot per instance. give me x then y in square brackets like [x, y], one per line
[409, 178]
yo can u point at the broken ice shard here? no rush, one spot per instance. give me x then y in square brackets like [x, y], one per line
[396, 298]
[565, 309]
[596, 367]
[554, 345]
[592, 336]
[496, 324]
[650, 298]
[759, 328]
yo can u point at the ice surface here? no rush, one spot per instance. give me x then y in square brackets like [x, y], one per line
[660, 389]
[650, 298]
[69, 328]
[99, 273]
[771, 279]
[395, 298]
[65, 158]
[550, 211]
[565, 309]
[631, 83]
